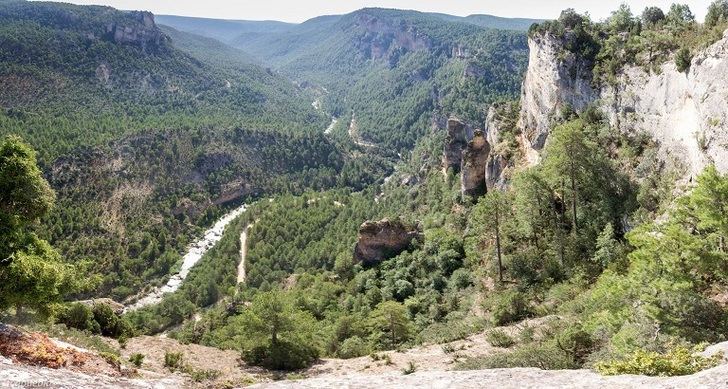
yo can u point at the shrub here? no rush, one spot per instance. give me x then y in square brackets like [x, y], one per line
[352, 347]
[136, 359]
[204, 375]
[173, 360]
[112, 359]
[576, 343]
[411, 368]
[508, 307]
[79, 316]
[683, 59]
[109, 322]
[677, 361]
[544, 356]
[284, 356]
[498, 338]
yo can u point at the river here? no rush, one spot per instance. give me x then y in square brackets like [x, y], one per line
[195, 252]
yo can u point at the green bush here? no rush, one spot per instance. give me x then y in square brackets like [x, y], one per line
[677, 361]
[683, 59]
[284, 356]
[173, 360]
[545, 356]
[508, 307]
[498, 338]
[109, 322]
[136, 359]
[352, 347]
[79, 316]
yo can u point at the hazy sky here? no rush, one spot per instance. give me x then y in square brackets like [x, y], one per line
[300, 10]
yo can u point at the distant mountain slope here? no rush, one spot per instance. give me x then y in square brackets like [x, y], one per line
[114, 72]
[147, 136]
[220, 29]
[209, 49]
[495, 22]
[398, 71]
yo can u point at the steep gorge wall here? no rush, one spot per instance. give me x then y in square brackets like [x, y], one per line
[687, 114]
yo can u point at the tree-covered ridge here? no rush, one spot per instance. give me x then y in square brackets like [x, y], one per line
[397, 70]
[70, 82]
[146, 138]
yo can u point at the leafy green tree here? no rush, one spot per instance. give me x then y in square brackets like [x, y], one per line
[717, 13]
[497, 210]
[390, 325]
[608, 248]
[31, 272]
[680, 15]
[651, 16]
[276, 334]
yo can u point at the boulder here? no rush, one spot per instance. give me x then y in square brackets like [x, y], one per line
[474, 161]
[382, 240]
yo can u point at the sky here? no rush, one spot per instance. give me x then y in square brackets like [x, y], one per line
[300, 10]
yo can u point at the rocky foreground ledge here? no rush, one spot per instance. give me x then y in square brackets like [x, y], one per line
[14, 376]
[516, 378]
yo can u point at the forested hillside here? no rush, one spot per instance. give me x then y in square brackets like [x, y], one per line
[623, 261]
[395, 72]
[147, 136]
[400, 195]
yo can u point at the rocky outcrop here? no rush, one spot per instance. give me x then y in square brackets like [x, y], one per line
[687, 114]
[455, 143]
[137, 29]
[555, 78]
[382, 37]
[514, 378]
[473, 165]
[382, 240]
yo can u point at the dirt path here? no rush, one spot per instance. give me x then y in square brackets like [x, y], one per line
[243, 253]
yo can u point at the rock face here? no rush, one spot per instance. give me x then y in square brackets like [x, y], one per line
[382, 37]
[686, 113]
[495, 168]
[555, 78]
[381, 240]
[474, 161]
[139, 30]
[455, 143]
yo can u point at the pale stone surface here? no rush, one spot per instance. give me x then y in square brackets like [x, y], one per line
[686, 113]
[516, 378]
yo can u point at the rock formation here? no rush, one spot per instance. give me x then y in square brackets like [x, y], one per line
[687, 114]
[455, 143]
[382, 37]
[473, 165]
[139, 30]
[498, 160]
[382, 240]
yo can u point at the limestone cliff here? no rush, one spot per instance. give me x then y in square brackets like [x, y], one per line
[687, 114]
[473, 165]
[138, 29]
[455, 142]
